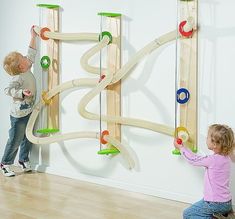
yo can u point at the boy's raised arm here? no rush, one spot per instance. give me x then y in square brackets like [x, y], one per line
[32, 43]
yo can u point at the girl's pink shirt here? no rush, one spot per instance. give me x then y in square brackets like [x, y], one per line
[217, 174]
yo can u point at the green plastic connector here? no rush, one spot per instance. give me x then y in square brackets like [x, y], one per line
[45, 62]
[106, 33]
[108, 151]
[108, 14]
[47, 131]
[176, 152]
[48, 6]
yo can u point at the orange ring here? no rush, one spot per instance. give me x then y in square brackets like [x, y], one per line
[182, 32]
[44, 99]
[42, 31]
[105, 132]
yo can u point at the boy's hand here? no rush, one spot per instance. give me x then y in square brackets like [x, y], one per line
[178, 143]
[27, 93]
[32, 43]
[33, 33]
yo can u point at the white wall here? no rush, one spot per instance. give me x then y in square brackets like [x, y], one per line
[147, 92]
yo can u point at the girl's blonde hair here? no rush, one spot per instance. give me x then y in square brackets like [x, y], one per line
[11, 63]
[223, 136]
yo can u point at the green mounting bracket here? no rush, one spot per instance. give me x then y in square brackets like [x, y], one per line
[106, 33]
[48, 6]
[47, 131]
[177, 152]
[108, 14]
[108, 151]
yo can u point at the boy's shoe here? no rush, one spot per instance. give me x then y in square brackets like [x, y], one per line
[6, 170]
[26, 167]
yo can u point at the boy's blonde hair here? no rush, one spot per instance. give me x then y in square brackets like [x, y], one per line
[11, 63]
[223, 136]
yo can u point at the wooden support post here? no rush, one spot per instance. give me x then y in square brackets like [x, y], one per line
[114, 64]
[188, 72]
[53, 72]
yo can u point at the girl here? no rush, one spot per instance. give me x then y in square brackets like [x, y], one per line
[217, 196]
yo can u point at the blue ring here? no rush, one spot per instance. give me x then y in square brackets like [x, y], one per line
[186, 93]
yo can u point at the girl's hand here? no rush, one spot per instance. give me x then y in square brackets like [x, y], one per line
[178, 143]
[27, 93]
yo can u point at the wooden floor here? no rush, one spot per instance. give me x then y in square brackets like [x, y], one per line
[42, 196]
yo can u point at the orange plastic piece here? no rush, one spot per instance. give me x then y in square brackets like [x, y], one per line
[43, 30]
[179, 141]
[105, 132]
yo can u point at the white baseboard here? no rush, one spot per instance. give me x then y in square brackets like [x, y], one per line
[117, 184]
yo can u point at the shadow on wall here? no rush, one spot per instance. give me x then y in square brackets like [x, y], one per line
[208, 56]
[110, 163]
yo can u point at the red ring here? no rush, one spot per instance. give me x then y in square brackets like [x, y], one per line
[105, 132]
[42, 31]
[182, 32]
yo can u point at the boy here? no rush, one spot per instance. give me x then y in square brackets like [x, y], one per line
[22, 89]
